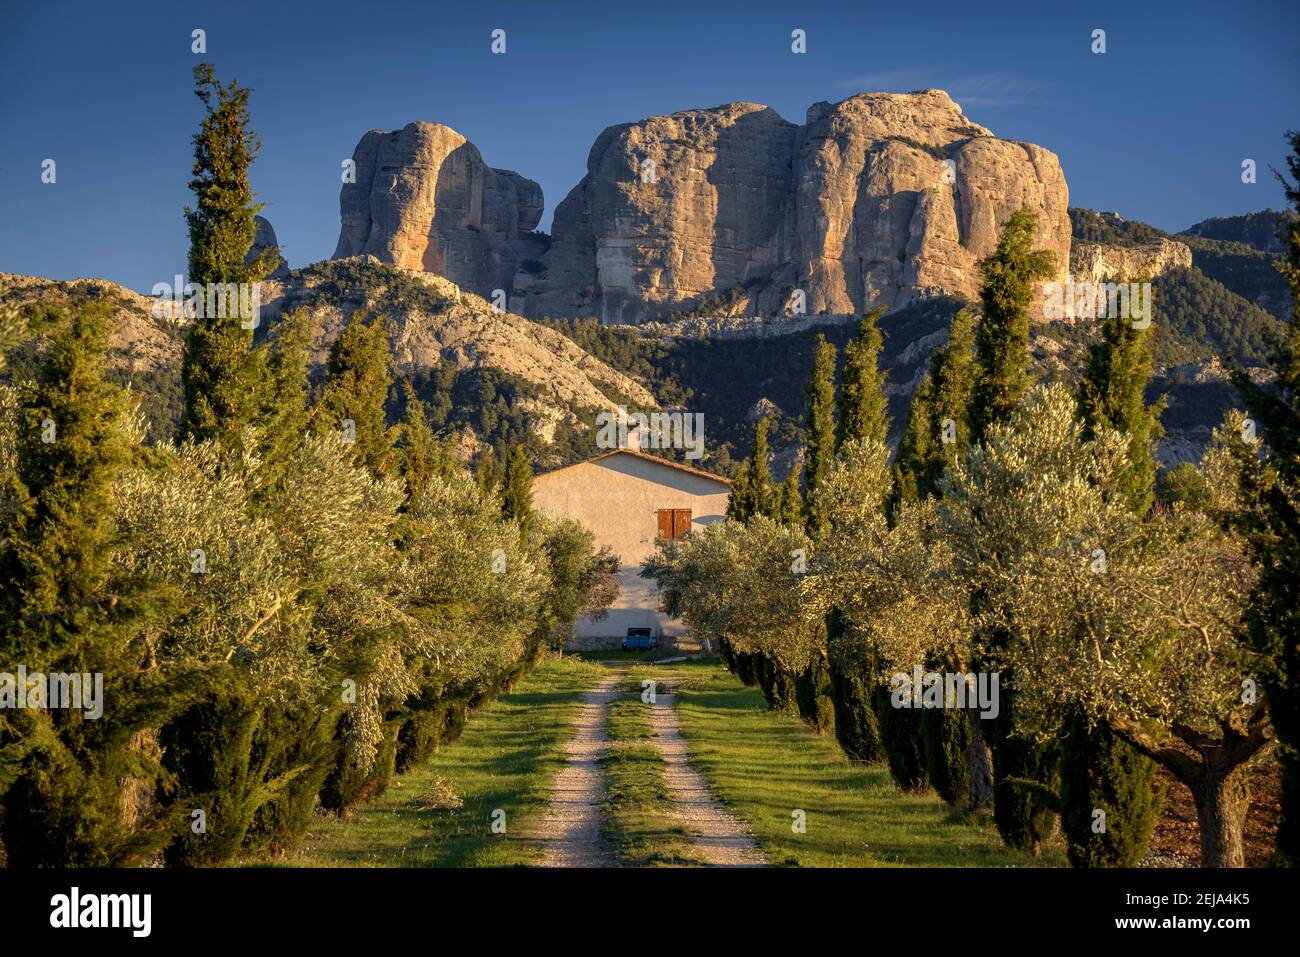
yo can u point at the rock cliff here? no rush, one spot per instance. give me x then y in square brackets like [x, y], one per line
[424, 199]
[875, 201]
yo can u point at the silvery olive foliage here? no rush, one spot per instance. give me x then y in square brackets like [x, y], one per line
[891, 582]
[471, 620]
[298, 592]
[1137, 622]
[737, 582]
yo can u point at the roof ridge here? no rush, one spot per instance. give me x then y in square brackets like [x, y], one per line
[641, 455]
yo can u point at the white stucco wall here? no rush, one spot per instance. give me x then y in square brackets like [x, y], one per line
[618, 497]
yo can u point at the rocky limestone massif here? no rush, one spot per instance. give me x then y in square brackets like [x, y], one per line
[424, 199]
[1104, 262]
[874, 201]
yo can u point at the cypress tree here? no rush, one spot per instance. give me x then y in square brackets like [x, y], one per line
[64, 771]
[937, 431]
[861, 716]
[740, 503]
[760, 478]
[820, 433]
[1099, 771]
[487, 472]
[1024, 769]
[1112, 396]
[219, 373]
[863, 408]
[1002, 342]
[422, 455]
[789, 510]
[284, 412]
[1271, 520]
[915, 448]
[517, 492]
[938, 422]
[356, 393]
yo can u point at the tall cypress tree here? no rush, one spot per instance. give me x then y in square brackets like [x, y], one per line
[1112, 396]
[1099, 771]
[1002, 342]
[284, 412]
[422, 456]
[863, 715]
[219, 373]
[760, 476]
[936, 432]
[740, 503]
[915, 448]
[1024, 769]
[487, 471]
[938, 423]
[517, 491]
[820, 434]
[356, 393]
[65, 768]
[1271, 520]
[863, 408]
[789, 508]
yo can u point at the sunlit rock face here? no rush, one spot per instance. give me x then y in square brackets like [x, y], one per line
[874, 201]
[424, 199]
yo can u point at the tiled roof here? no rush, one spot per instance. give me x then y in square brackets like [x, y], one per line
[668, 463]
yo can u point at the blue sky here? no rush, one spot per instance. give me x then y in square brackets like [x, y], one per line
[1155, 128]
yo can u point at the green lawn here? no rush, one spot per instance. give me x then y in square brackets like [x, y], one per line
[506, 759]
[767, 765]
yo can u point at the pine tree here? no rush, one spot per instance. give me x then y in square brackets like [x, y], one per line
[820, 433]
[66, 770]
[1271, 519]
[1002, 342]
[356, 393]
[219, 372]
[863, 407]
[517, 490]
[1098, 770]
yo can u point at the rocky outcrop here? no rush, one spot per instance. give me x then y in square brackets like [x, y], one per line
[875, 201]
[264, 239]
[142, 337]
[1103, 262]
[431, 320]
[424, 199]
